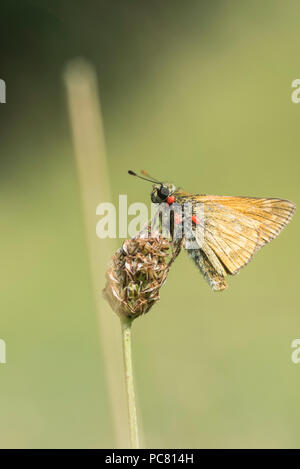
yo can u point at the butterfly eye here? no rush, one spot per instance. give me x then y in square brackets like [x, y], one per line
[163, 192]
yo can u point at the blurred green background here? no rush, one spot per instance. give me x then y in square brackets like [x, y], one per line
[198, 93]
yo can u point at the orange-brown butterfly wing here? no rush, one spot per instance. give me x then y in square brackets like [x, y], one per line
[236, 227]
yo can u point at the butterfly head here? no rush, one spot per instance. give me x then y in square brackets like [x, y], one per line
[161, 191]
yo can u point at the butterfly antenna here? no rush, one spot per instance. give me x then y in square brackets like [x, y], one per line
[132, 173]
[144, 173]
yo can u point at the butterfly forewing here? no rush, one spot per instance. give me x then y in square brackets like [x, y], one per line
[236, 227]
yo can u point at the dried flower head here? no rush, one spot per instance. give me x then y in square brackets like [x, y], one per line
[136, 273]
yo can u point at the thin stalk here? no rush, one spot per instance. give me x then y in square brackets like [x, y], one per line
[128, 370]
[91, 161]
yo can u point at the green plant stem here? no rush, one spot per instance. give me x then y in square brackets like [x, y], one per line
[128, 370]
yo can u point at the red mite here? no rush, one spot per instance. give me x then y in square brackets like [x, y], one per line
[195, 220]
[170, 199]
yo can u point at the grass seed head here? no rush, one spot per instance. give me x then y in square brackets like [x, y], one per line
[136, 273]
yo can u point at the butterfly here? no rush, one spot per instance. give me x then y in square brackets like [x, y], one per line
[229, 230]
